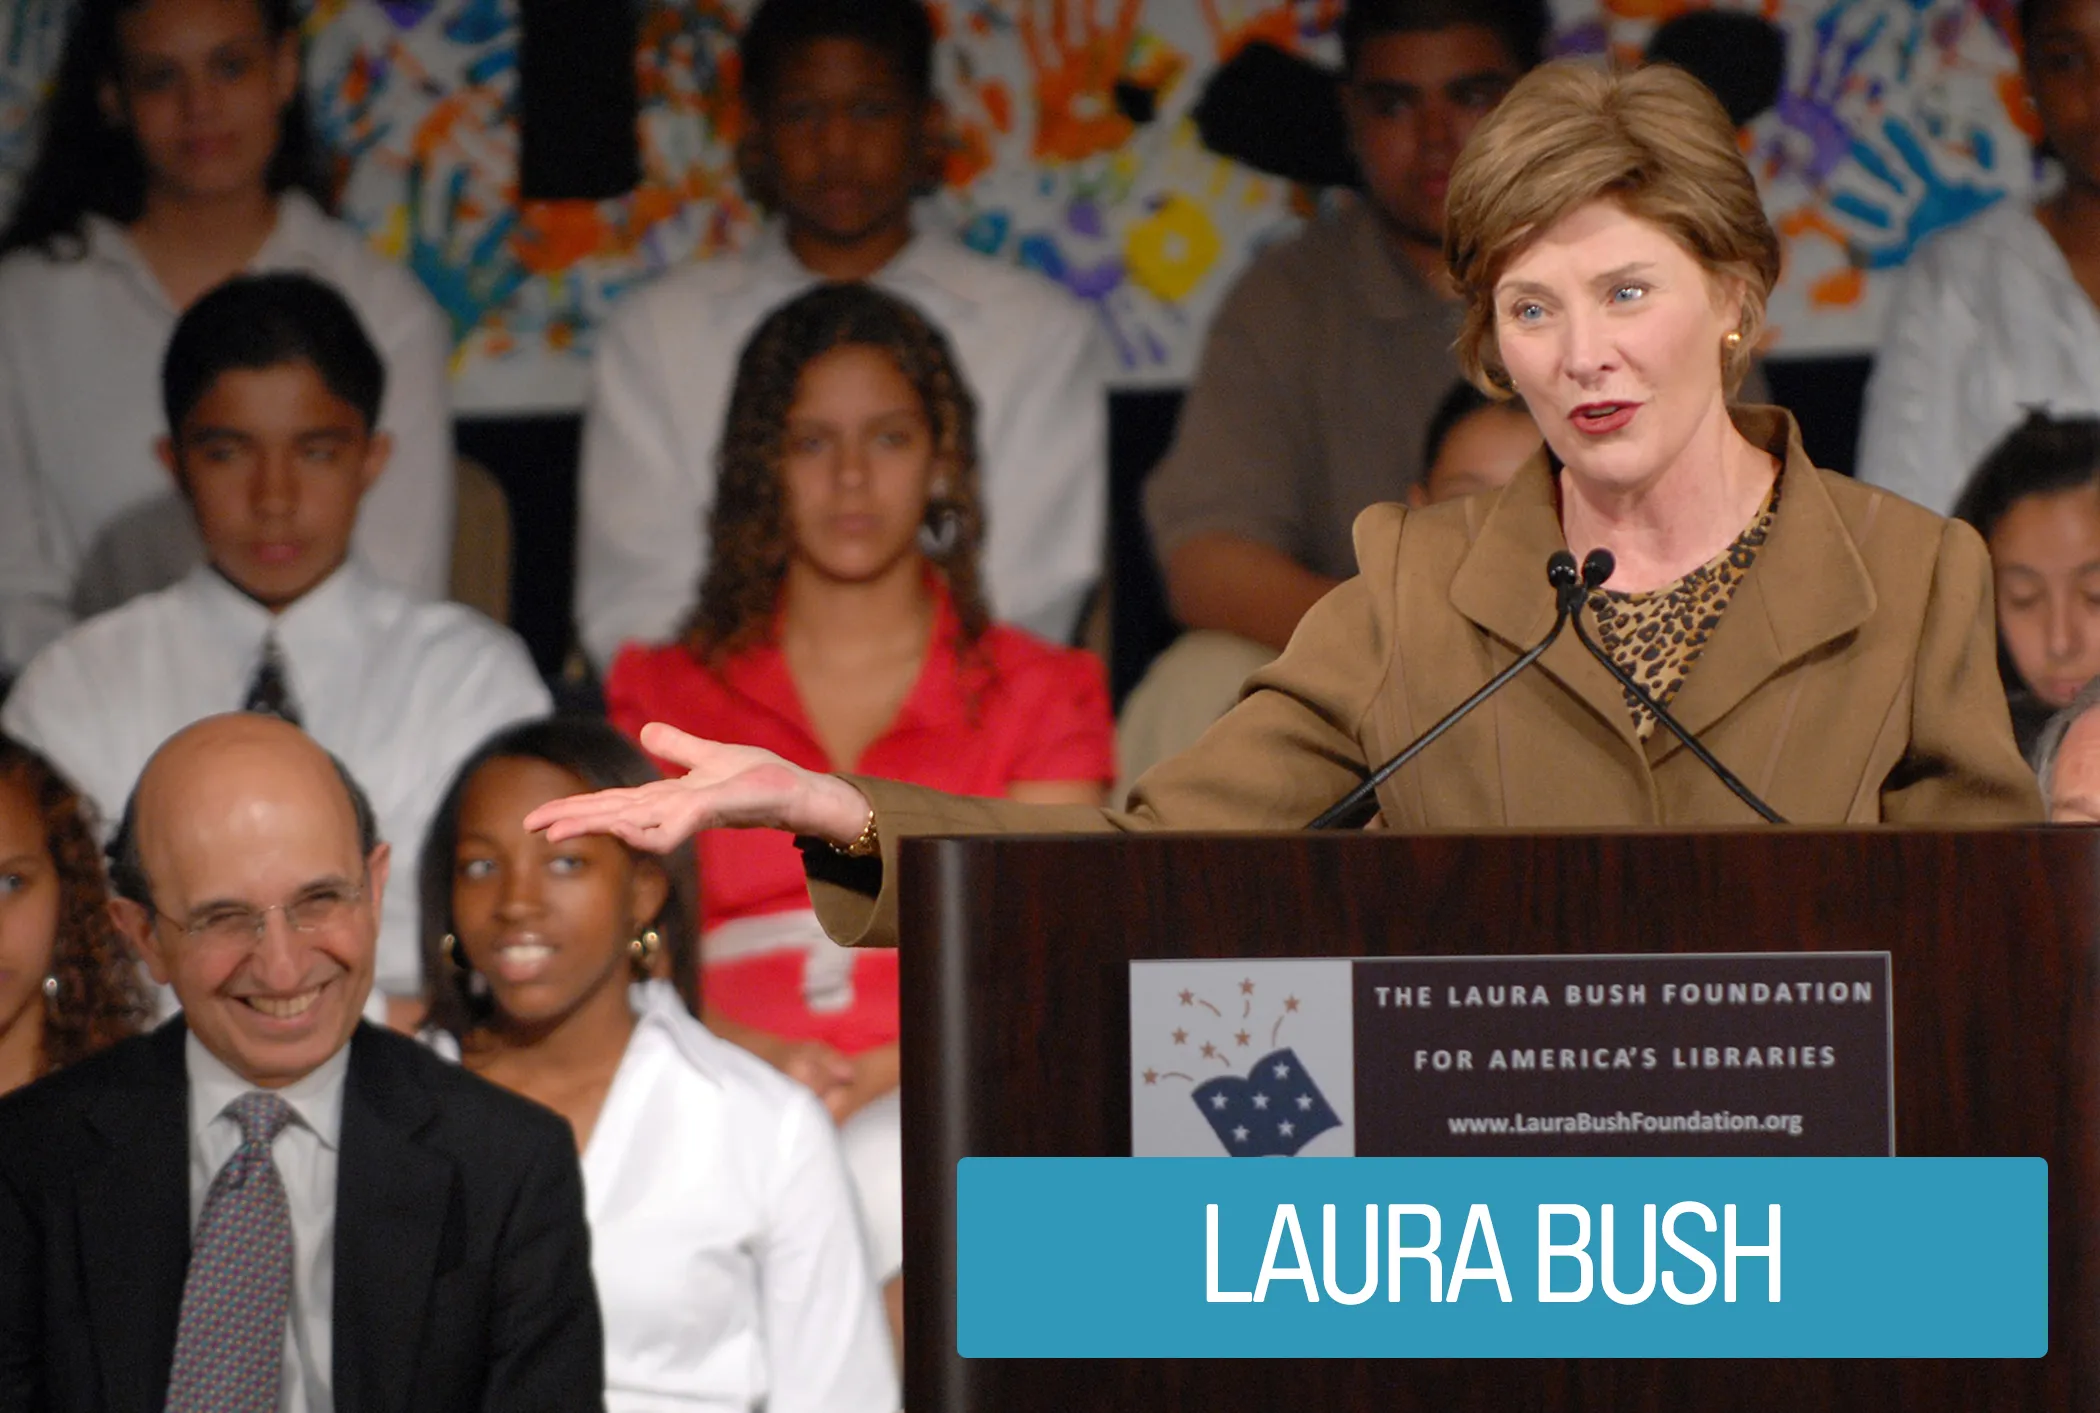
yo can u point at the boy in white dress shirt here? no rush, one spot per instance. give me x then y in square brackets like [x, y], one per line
[272, 390]
[841, 122]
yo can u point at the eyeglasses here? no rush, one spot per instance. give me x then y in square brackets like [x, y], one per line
[324, 908]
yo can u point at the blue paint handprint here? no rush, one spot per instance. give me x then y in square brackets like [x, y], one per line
[1935, 201]
[1841, 137]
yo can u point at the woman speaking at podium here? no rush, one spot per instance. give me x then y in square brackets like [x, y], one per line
[1830, 645]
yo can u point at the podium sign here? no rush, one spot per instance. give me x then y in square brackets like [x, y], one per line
[1673, 1056]
[1017, 997]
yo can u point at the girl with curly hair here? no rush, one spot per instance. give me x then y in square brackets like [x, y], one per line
[68, 987]
[842, 625]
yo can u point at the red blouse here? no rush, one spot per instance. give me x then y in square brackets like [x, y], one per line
[1040, 714]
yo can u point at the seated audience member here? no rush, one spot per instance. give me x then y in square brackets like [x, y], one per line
[726, 1246]
[176, 153]
[1323, 366]
[841, 625]
[1475, 444]
[2002, 312]
[271, 391]
[68, 986]
[2067, 760]
[2036, 502]
[842, 127]
[266, 1204]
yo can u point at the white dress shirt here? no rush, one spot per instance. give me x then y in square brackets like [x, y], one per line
[80, 410]
[727, 1250]
[402, 691]
[306, 1154]
[660, 386]
[1987, 321]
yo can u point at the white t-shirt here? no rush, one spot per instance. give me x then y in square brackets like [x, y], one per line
[1987, 322]
[730, 1265]
[81, 342]
[660, 387]
[401, 691]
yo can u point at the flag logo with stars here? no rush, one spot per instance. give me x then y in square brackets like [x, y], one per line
[1271, 1109]
[1271, 1113]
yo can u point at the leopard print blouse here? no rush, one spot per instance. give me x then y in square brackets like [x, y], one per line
[1657, 636]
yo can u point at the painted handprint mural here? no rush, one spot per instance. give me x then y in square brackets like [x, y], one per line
[1071, 154]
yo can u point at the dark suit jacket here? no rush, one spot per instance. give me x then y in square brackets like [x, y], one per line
[462, 1258]
[1853, 679]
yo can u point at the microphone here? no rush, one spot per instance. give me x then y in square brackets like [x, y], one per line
[1597, 567]
[1568, 592]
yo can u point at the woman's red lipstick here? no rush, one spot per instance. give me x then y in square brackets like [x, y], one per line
[1599, 418]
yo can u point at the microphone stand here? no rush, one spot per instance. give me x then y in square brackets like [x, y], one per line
[1569, 592]
[1597, 566]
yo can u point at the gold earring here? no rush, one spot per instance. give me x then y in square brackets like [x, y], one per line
[643, 951]
[1733, 338]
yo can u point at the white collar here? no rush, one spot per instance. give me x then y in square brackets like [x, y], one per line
[321, 618]
[927, 262]
[657, 1008]
[316, 1098]
[657, 1012]
[293, 240]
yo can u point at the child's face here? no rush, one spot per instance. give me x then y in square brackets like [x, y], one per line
[2045, 556]
[29, 903]
[1412, 101]
[546, 924]
[2063, 74]
[842, 136]
[274, 465]
[1481, 452]
[202, 85]
[857, 461]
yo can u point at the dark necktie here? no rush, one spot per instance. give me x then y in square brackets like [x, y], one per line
[229, 1341]
[269, 691]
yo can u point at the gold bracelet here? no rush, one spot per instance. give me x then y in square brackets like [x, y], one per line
[865, 844]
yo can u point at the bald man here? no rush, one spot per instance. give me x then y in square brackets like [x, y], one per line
[268, 1204]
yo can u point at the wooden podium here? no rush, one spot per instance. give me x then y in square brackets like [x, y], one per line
[1016, 1043]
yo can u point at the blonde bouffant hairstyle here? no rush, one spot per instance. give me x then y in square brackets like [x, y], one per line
[1655, 141]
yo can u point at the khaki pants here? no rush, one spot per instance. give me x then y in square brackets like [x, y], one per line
[1189, 686]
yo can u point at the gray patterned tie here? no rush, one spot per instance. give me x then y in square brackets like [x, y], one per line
[229, 1342]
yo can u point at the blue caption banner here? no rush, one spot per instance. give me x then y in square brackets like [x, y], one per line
[1503, 1258]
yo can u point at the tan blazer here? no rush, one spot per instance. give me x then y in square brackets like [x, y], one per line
[1852, 680]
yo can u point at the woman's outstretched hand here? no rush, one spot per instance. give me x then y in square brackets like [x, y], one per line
[724, 787]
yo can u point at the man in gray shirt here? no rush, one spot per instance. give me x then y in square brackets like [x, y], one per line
[1324, 365]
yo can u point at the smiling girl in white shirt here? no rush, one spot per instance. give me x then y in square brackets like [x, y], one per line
[730, 1263]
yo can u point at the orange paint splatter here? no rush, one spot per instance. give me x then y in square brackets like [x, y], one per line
[1276, 26]
[968, 157]
[1656, 10]
[554, 235]
[2012, 96]
[998, 102]
[1840, 290]
[1075, 78]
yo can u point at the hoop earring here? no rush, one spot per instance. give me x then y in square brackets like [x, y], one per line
[941, 531]
[643, 952]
